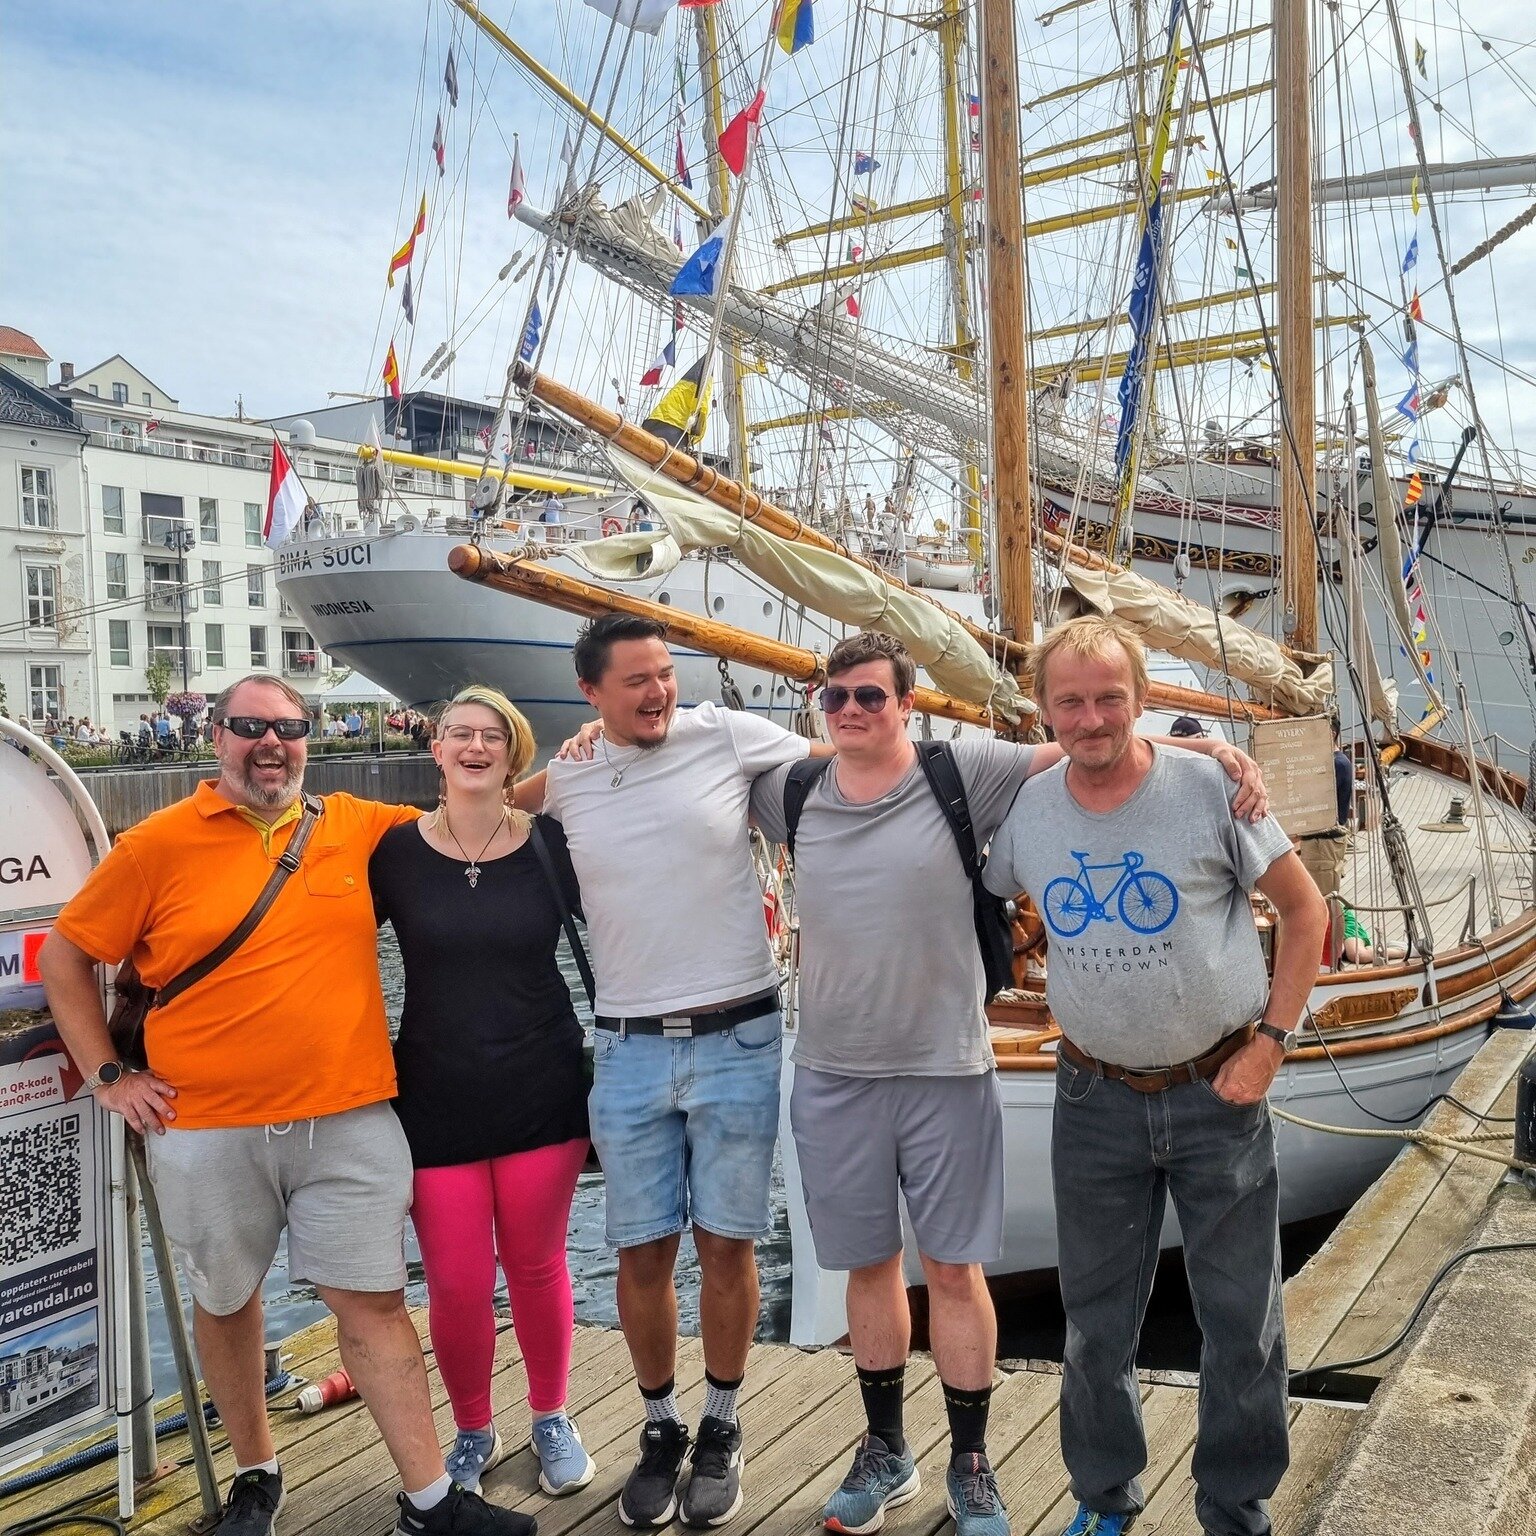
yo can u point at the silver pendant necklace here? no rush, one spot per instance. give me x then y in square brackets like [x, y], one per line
[618, 773]
[472, 871]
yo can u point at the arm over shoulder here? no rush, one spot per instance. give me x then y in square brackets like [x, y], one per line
[992, 771]
[760, 743]
[767, 804]
[1253, 845]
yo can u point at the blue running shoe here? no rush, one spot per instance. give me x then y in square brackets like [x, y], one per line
[564, 1465]
[1091, 1522]
[474, 1452]
[878, 1480]
[971, 1488]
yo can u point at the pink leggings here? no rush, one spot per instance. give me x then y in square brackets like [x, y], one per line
[525, 1199]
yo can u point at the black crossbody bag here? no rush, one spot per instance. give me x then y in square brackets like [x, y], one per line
[134, 1000]
[567, 919]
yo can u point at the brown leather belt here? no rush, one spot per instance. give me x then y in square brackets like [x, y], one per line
[1158, 1079]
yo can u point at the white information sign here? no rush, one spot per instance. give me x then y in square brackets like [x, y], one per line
[1296, 757]
[44, 856]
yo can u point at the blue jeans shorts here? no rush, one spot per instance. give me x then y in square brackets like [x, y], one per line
[685, 1129]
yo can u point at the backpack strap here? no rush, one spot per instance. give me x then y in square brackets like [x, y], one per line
[943, 775]
[567, 921]
[797, 789]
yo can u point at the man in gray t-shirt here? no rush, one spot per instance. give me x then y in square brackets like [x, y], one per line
[1171, 1036]
[894, 1092]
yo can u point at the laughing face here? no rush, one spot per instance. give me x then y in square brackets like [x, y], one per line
[637, 693]
[474, 749]
[265, 775]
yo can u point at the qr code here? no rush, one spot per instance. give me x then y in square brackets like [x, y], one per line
[40, 1189]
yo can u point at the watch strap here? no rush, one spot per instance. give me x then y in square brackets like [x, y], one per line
[1283, 1037]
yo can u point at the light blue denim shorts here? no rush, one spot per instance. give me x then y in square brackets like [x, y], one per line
[685, 1129]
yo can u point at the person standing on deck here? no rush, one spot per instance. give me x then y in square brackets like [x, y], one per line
[1171, 1036]
[266, 1103]
[685, 1105]
[493, 1096]
[895, 1091]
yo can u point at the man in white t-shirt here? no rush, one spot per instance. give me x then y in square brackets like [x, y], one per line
[685, 1102]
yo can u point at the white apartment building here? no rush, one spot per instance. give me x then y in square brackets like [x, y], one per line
[156, 520]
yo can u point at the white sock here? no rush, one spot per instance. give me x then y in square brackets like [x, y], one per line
[432, 1495]
[259, 1466]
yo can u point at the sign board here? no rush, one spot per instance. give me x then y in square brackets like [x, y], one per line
[61, 1324]
[1296, 757]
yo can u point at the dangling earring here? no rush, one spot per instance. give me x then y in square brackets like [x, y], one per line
[442, 788]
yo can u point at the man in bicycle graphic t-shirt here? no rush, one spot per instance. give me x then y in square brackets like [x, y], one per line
[1171, 1035]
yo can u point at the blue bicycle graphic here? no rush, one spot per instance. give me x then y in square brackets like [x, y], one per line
[1146, 901]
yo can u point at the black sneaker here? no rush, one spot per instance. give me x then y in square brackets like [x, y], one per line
[252, 1506]
[714, 1493]
[650, 1491]
[461, 1513]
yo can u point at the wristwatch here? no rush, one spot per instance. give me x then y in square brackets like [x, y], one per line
[1285, 1038]
[105, 1075]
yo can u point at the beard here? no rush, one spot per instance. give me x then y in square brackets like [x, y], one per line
[270, 798]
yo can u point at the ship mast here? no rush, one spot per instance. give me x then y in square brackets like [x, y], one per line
[708, 36]
[1007, 348]
[1297, 447]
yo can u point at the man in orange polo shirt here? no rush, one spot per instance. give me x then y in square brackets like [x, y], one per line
[267, 1091]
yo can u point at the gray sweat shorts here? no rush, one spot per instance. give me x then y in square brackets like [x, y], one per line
[938, 1141]
[340, 1184]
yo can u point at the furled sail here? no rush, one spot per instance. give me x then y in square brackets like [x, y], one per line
[820, 578]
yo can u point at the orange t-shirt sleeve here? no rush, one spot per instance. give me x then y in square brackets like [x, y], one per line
[106, 916]
[377, 818]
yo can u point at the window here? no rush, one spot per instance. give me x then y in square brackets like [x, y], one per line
[213, 583]
[120, 394]
[117, 642]
[36, 497]
[213, 644]
[163, 519]
[112, 517]
[117, 576]
[42, 585]
[95, 390]
[258, 645]
[256, 586]
[144, 398]
[45, 692]
[299, 655]
[159, 572]
[253, 522]
[208, 520]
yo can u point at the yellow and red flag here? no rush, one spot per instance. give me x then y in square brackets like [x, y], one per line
[402, 257]
[1415, 309]
[392, 373]
[1415, 489]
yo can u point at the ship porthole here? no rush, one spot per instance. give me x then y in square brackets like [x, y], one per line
[664, 597]
[1506, 637]
[767, 610]
[757, 690]
[719, 605]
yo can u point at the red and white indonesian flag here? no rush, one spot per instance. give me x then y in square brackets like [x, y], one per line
[286, 499]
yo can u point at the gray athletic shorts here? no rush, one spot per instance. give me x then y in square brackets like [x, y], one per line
[938, 1140]
[340, 1184]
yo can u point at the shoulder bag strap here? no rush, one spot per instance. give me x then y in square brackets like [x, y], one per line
[567, 921]
[797, 789]
[287, 862]
[949, 789]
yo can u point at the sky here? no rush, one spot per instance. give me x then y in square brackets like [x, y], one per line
[214, 190]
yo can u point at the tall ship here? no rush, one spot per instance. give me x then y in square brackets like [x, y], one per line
[956, 322]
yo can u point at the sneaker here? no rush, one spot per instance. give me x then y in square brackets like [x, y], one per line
[252, 1506]
[1090, 1522]
[461, 1513]
[977, 1507]
[714, 1493]
[475, 1452]
[879, 1479]
[564, 1465]
[650, 1491]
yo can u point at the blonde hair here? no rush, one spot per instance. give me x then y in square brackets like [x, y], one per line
[521, 746]
[1092, 636]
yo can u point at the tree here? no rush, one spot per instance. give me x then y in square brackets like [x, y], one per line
[157, 679]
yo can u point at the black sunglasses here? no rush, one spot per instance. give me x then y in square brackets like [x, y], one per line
[869, 698]
[253, 727]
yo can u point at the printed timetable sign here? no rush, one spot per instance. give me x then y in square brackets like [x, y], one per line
[1296, 757]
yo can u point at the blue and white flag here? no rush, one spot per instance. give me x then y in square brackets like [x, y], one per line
[1143, 287]
[696, 277]
[531, 334]
[1411, 258]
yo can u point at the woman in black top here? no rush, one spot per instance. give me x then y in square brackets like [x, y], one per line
[491, 1090]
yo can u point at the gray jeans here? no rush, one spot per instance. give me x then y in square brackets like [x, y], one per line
[1116, 1156]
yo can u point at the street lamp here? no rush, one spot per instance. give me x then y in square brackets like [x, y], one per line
[181, 539]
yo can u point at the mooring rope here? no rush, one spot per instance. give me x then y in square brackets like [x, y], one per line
[1418, 1136]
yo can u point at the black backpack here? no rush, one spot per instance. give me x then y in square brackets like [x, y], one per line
[994, 930]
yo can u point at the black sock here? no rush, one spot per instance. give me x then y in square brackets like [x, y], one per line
[882, 1394]
[967, 1419]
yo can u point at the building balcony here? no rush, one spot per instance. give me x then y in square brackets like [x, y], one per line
[168, 596]
[171, 655]
[193, 453]
[301, 664]
[163, 531]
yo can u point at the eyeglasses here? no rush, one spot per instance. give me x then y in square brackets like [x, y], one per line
[870, 699]
[492, 736]
[253, 727]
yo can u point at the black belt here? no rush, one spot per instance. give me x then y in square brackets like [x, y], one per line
[682, 1025]
[1333, 834]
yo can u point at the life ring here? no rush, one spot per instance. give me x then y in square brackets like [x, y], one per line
[611, 526]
